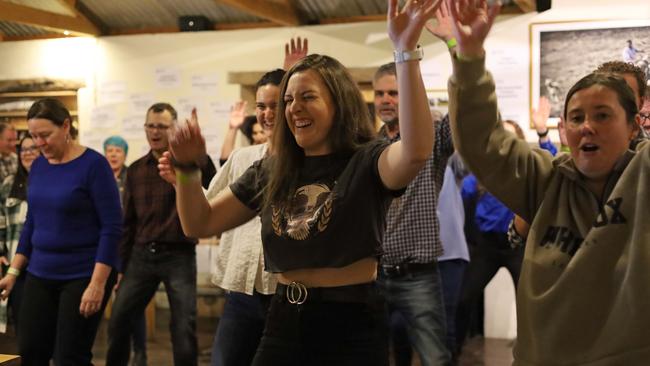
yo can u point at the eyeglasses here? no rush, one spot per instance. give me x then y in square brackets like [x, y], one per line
[153, 127]
[31, 150]
[644, 117]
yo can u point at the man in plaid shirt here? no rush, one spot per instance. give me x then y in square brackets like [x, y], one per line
[154, 249]
[408, 272]
[8, 157]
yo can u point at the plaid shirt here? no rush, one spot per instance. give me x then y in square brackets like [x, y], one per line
[13, 214]
[412, 229]
[8, 165]
[150, 208]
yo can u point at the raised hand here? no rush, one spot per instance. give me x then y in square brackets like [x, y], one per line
[237, 114]
[294, 51]
[471, 23]
[166, 170]
[186, 143]
[541, 114]
[405, 26]
[443, 28]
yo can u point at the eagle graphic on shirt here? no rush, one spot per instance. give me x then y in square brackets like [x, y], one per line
[308, 212]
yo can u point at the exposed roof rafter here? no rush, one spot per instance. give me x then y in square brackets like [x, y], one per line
[282, 13]
[44, 19]
[526, 6]
[81, 11]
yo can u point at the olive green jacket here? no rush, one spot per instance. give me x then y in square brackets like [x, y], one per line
[583, 297]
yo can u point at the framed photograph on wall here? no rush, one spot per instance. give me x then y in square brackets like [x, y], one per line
[564, 52]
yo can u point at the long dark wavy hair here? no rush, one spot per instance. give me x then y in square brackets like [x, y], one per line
[351, 128]
[19, 187]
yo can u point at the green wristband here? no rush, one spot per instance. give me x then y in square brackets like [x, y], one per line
[13, 271]
[183, 177]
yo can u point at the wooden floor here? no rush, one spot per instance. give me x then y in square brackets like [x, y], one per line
[477, 352]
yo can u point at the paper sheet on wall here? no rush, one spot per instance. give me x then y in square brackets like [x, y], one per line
[218, 116]
[213, 144]
[111, 92]
[132, 127]
[167, 77]
[140, 102]
[207, 85]
[103, 116]
[507, 65]
[184, 106]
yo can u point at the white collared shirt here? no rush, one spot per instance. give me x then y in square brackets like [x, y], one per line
[238, 264]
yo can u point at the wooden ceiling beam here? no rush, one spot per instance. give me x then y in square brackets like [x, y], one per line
[35, 37]
[282, 13]
[354, 19]
[44, 19]
[217, 27]
[526, 6]
[82, 11]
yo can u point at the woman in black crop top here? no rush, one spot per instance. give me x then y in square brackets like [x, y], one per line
[322, 196]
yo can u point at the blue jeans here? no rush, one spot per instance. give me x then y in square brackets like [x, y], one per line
[418, 298]
[240, 329]
[177, 270]
[451, 274]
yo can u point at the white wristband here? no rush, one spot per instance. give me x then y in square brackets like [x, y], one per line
[403, 56]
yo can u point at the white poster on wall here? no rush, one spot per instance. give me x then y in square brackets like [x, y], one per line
[184, 106]
[218, 114]
[205, 84]
[167, 77]
[213, 144]
[133, 127]
[104, 116]
[507, 64]
[140, 102]
[112, 92]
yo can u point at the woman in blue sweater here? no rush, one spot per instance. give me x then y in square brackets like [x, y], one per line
[68, 245]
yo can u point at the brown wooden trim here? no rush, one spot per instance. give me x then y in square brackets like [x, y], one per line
[44, 19]
[54, 93]
[526, 6]
[354, 19]
[85, 11]
[132, 31]
[251, 25]
[36, 37]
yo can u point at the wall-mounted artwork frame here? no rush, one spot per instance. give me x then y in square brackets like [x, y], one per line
[563, 52]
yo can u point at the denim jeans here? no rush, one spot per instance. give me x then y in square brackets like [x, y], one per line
[176, 268]
[491, 252]
[325, 333]
[451, 274]
[240, 329]
[418, 297]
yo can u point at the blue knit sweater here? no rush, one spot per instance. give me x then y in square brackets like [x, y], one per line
[74, 217]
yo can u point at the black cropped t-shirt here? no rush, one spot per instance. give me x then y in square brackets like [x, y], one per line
[336, 217]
